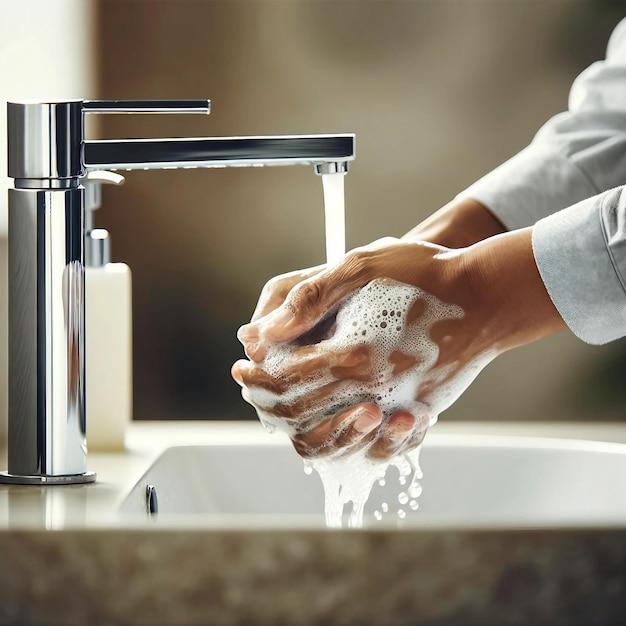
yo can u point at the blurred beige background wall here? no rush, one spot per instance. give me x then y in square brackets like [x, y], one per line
[438, 93]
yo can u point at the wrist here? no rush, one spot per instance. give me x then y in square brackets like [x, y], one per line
[502, 275]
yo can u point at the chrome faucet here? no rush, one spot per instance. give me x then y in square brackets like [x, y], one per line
[48, 158]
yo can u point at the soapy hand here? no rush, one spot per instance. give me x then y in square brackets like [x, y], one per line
[351, 341]
[456, 225]
[335, 388]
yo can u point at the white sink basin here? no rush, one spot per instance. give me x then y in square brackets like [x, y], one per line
[470, 480]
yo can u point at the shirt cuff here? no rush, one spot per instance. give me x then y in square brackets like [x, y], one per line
[534, 183]
[575, 264]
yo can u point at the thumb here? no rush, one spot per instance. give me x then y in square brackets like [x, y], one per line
[314, 299]
[275, 290]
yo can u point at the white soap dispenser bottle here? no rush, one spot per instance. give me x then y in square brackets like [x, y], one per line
[108, 333]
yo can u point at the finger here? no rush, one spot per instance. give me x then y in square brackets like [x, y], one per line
[393, 434]
[248, 333]
[310, 301]
[338, 432]
[313, 377]
[253, 347]
[367, 417]
[313, 363]
[399, 426]
[272, 296]
[305, 375]
[414, 440]
[275, 290]
[235, 371]
[256, 351]
[306, 408]
[398, 436]
[247, 374]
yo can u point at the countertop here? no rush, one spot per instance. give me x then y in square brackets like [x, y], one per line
[118, 471]
[80, 568]
[91, 505]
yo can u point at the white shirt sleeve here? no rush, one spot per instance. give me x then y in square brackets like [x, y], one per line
[568, 184]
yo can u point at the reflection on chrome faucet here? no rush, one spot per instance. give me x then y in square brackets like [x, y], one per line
[73, 297]
[48, 156]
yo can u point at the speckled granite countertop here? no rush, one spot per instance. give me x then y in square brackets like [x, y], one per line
[81, 569]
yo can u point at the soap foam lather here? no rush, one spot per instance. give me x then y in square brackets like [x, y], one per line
[375, 317]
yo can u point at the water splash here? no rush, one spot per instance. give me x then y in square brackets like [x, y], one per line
[348, 482]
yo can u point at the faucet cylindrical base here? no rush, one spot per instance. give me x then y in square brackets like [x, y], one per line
[46, 336]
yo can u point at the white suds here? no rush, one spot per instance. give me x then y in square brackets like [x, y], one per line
[374, 318]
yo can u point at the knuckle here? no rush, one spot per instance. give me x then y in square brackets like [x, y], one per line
[277, 283]
[359, 259]
[361, 265]
[307, 295]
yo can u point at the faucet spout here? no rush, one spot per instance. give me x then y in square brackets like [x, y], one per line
[132, 154]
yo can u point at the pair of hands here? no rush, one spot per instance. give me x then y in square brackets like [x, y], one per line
[307, 375]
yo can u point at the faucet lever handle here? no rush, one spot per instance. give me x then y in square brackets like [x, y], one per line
[93, 191]
[105, 177]
[147, 106]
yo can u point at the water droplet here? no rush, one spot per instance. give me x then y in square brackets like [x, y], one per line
[384, 507]
[403, 497]
[401, 513]
[415, 490]
[402, 480]
[382, 482]
[378, 515]
[308, 468]
[414, 504]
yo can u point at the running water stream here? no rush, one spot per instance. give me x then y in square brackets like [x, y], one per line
[349, 479]
[334, 216]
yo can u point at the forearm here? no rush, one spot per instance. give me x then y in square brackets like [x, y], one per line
[459, 224]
